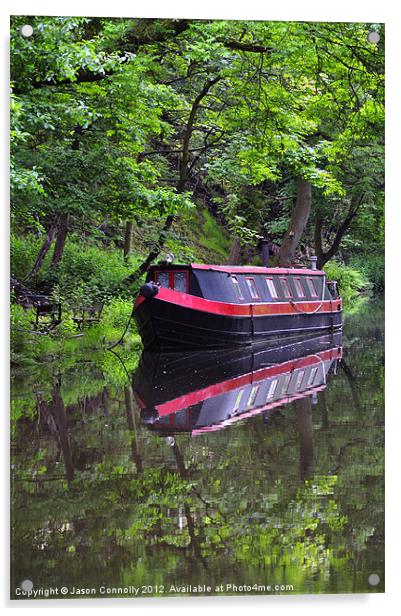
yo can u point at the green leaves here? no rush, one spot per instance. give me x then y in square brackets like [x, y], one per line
[106, 124]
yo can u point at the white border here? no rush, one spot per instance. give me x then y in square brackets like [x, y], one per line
[306, 10]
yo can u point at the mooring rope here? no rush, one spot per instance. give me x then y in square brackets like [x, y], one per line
[318, 307]
[109, 348]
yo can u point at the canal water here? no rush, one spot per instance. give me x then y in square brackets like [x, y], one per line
[228, 474]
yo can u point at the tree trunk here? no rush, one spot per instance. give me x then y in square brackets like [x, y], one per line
[153, 253]
[51, 232]
[303, 408]
[128, 239]
[323, 257]
[60, 239]
[319, 242]
[183, 177]
[234, 257]
[58, 411]
[130, 411]
[299, 219]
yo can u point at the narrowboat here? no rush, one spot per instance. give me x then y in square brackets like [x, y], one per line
[199, 306]
[208, 391]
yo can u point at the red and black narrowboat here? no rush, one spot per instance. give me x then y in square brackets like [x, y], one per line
[200, 306]
[208, 391]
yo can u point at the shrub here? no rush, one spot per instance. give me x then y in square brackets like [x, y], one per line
[85, 275]
[23, 252]
[372, 266]
[116, 313]
[88, 274]
[351, 282]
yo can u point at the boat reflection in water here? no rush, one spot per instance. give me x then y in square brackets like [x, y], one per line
[206, 391]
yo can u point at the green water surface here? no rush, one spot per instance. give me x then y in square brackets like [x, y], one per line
[102, 506]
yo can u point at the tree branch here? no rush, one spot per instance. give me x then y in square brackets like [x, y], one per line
[188, 132]
[322, 256]
[253, 48]
[181, 182]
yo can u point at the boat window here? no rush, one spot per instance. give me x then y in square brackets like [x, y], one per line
[311, 377]
[298, 379]
[163, 278]
[173, 280]
[252, 288]
[271, 390]
[286, 287]
[180, 282]
[252, 396]
[286, 382]
[298, 287]
[332, 287]
[272, 288]
[238, 400]
[311, 287]
[237, 287]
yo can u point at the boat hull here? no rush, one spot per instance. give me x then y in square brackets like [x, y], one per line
[174, 320]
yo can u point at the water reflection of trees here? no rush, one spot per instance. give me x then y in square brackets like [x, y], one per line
[283, 495]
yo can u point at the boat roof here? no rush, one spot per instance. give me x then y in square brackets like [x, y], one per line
[253, 269]
[240, 269]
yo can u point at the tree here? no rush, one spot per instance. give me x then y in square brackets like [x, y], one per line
[268, 123]
[107, 121]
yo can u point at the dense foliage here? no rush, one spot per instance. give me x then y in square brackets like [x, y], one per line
[121, 126]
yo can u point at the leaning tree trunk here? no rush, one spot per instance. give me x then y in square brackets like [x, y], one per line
[324, 256]
[128, 239]
[299, 219]
[153, 253]
[51, 232]
[60, 239]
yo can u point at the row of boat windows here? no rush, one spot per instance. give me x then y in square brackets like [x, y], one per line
[291, 381]
[178, 281]
[298, 377]
[277, 287]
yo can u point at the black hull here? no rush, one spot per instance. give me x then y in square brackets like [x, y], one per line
[170, 326]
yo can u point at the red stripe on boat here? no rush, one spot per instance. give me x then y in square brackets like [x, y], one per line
[139, 301]
[172, 406]
[201, 304]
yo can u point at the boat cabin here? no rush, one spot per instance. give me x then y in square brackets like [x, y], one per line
[244, 284]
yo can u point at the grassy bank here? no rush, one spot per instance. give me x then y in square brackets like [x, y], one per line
[94, 271]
